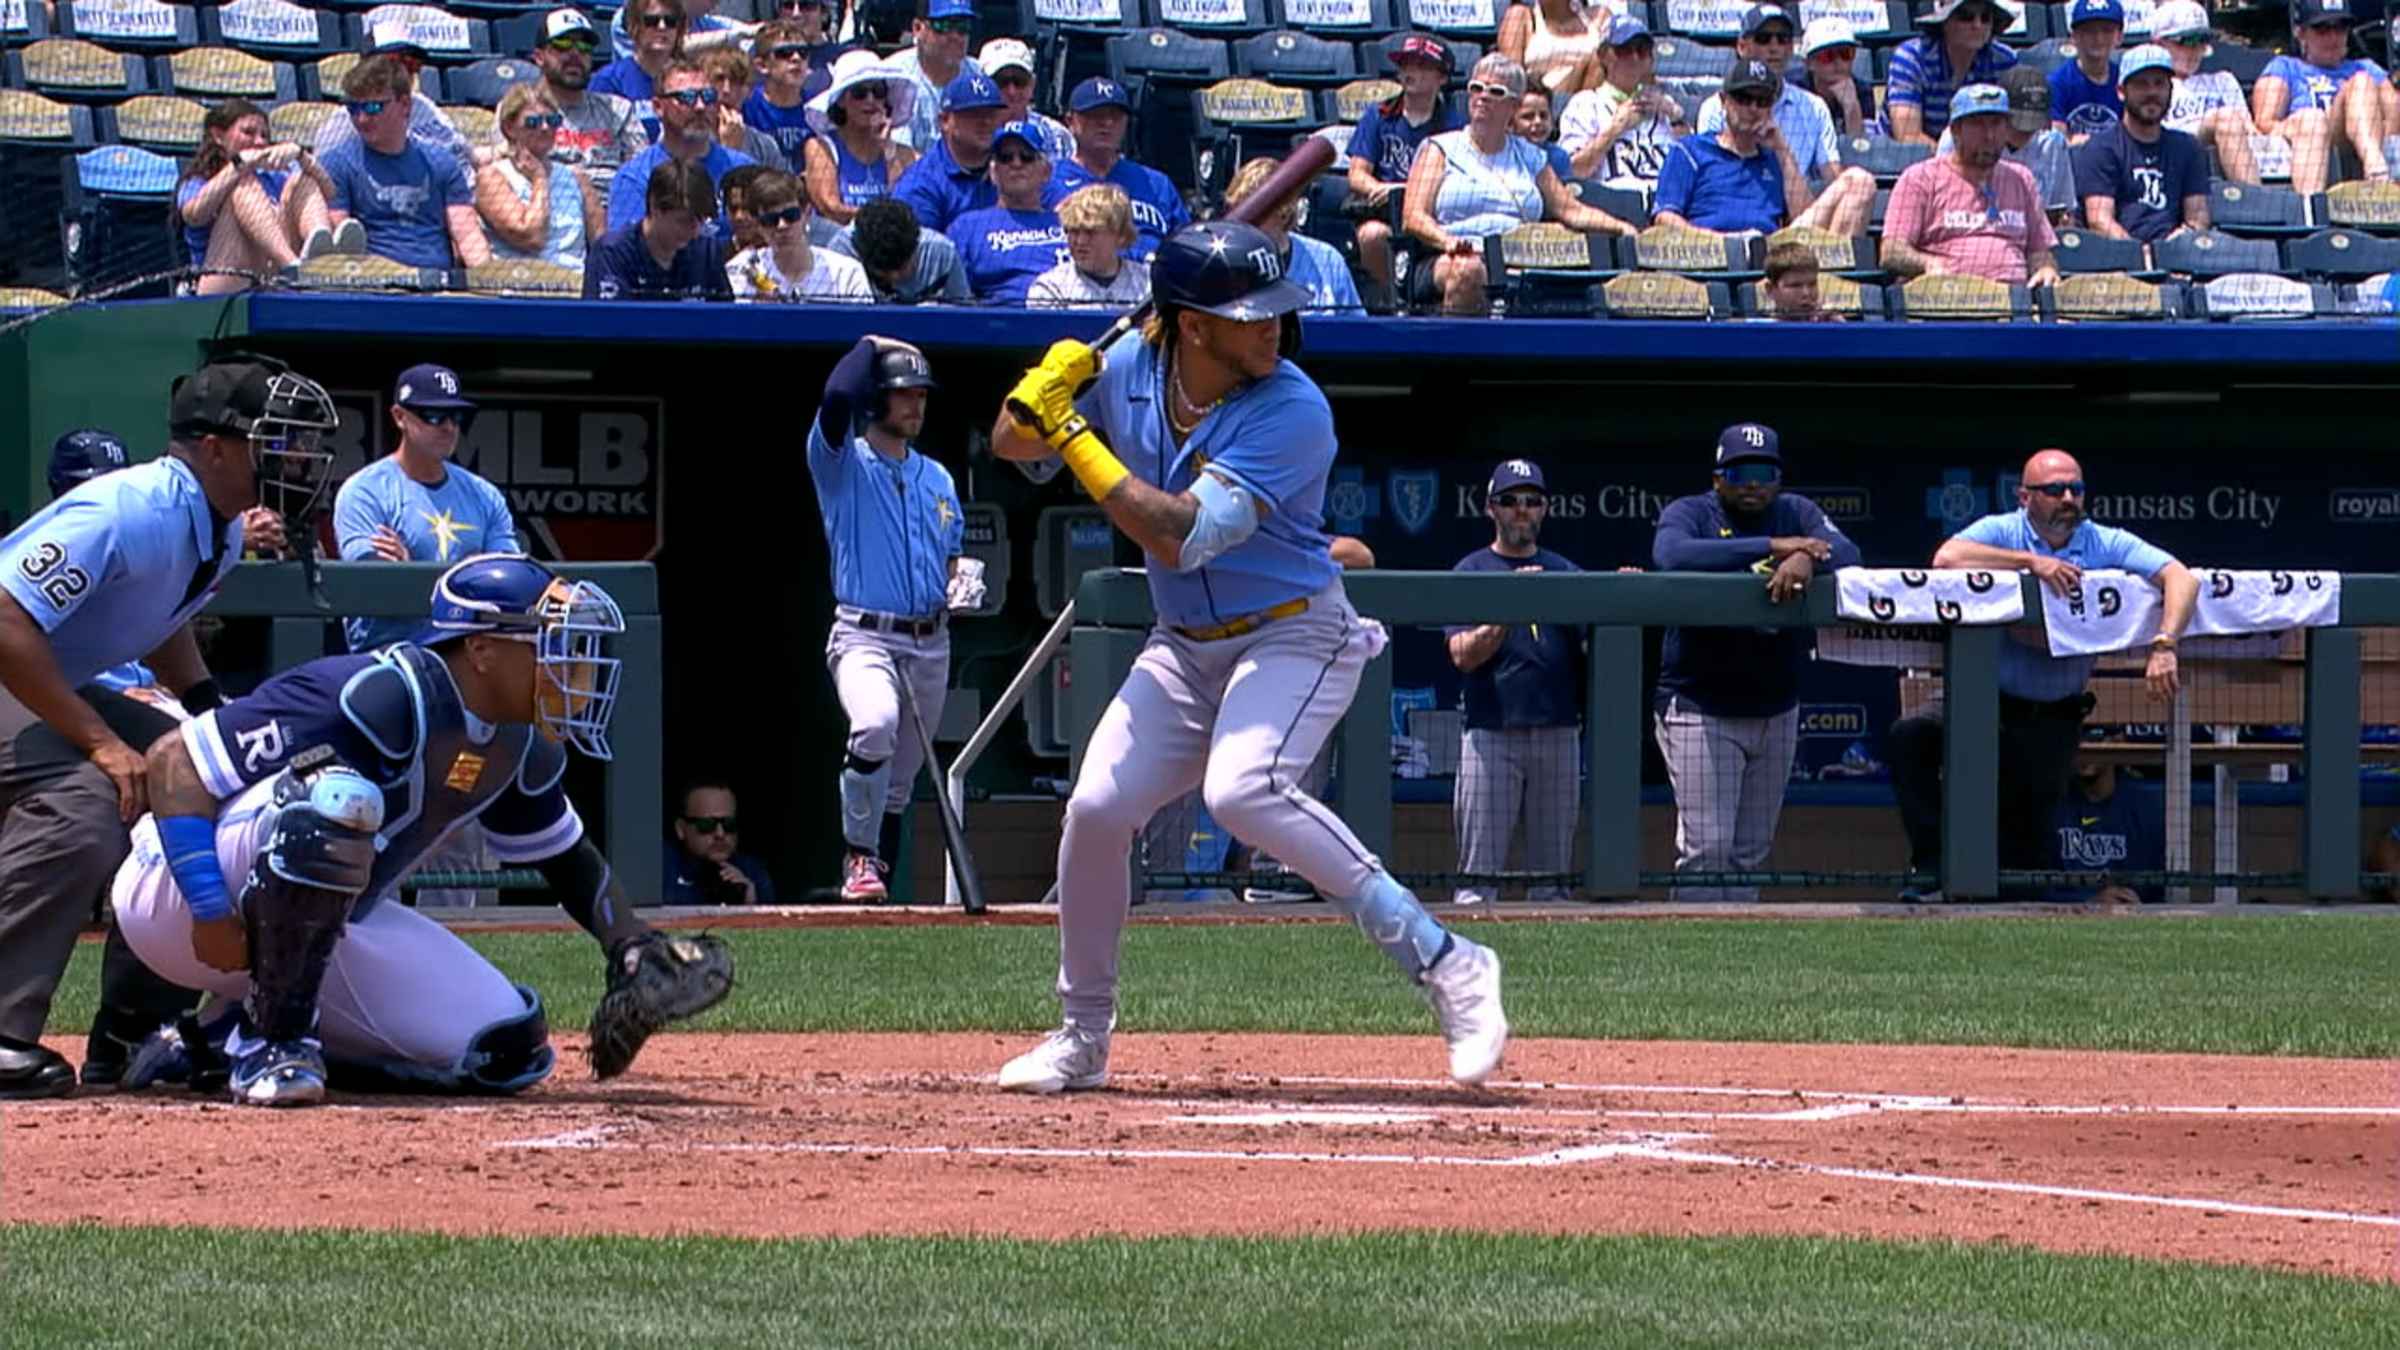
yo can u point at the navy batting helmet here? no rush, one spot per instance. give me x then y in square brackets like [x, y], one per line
[1224, 268]
[899, 365]
[568, 622]
[81, 456]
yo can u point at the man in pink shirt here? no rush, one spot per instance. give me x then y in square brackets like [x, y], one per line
[1970, 212]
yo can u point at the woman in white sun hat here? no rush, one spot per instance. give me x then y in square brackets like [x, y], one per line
[852, 159]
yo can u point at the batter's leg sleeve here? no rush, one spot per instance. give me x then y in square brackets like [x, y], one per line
[1484, 803]
[1705, 767]
[1914, 749]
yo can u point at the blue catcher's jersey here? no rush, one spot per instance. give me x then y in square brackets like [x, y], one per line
[395, 716]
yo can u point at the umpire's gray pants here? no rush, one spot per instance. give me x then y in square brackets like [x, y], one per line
[60, 842]
[1504, 774]
[1728, 774]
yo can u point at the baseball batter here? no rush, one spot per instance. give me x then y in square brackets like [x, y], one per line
[893, 525]
[327, 785]
[1211, 451]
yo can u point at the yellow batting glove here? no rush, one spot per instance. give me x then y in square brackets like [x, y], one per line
[1042, 402]
[1076, 364]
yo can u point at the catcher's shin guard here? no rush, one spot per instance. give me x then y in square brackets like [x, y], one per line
[318, 858]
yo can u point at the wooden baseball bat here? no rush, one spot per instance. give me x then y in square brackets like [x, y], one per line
[954, 831]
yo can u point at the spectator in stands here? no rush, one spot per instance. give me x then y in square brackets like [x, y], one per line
[393, 43]
[2139, 180]
[906, 263]
[1539, 127]
[687, 107]
[2034, 142]
[2105, 826]
[2042, 697]
[271, 197]
[1096, 274]
[934, 61]
[2084, 98]
[779, 106]
[1098, 114]
[657, 28]
[742, 229]
[1790, 288]
[601, 130]
[820, 28]
[1010, 64]
[2211, 107]
[1311, 264]
[1971, 212]
[534, 207]
[1479, 181]
[1746, 175]
[1963, 48]
[1522, 694]
[703, 29]
[731, 76]
[1828, 69]
[1727, 706]
[786, 267]
[1016, 239]
[705, 864]
[1384, 147]
[413, 197]
[953, 178]
[852, 160]
[1556, 41]
[667, 252]
[2325, 99]
[1617, 132]
[1846, 197]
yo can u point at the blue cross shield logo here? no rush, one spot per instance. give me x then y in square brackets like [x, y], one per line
[1415, 497]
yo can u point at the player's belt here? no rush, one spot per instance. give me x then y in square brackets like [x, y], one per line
[892, 623]
[1248, 623]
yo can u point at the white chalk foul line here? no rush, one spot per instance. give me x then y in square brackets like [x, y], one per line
[598, 1139]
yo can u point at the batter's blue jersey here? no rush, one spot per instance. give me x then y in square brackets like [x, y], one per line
[459, 517]
[114, 567]
[395, 717]
[1274, 438]
[892, 525]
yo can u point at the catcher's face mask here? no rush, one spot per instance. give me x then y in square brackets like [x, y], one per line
[287, 445]
[575, 680]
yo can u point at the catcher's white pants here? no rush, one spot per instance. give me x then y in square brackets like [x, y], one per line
[400, 986]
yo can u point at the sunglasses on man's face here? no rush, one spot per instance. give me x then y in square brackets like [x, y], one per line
[2054, 491]
[953, 26]
[789, 53]
[367, 107]
[873, 89]
[790, 215]
[440, 417]
[1752, 474]
[576, 43]
[1778, 35]
[1522, 501]
[662, 21]
[1751, 100]
[543, 121]
[1017, 157]
[692, 98]
[711, 824]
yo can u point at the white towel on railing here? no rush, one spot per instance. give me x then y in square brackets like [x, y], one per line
[1936, 595]
[2115, 610]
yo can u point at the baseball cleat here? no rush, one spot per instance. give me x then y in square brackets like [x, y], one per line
[279, 1073]
[1069, 1058]
[1464, 988]
[862, 878]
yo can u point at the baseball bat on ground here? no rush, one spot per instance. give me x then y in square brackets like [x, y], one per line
[954, 832]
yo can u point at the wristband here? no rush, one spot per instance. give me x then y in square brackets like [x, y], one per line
[1093, 463]
[203, 696]
[191, 847]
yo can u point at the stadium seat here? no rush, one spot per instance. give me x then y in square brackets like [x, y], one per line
[1350, 102]
[1322, 216]
[2083, 251]
[368, 272]
[1242, 117]
[1211, 18]
[1352, 19]
[299, 121]
[323, 80]
[1957, 297]
[2031, 24]
[25, 299]
[2373, 207]
[2047, 55]
[22, 21]
[1626, 204]
[475, 124]
[1073, 35]
[1660, 295]
[484, 82]
[1714, 20]
[1881, 156]
[160, 122]
[1852, 300]
[2214, 253]
[118, 205]
[2371, 296]
[28, 119]
[1668, 248]
[1545, 270]
[525, 279]
[1478, 20]
[1681, 59]
[222, 72]
[2260, 295]
[75, 71]
[1378, 57]
[1163, 55]
[276, 29]
[2103, 296]
[1296, 59]
[446, 38]
[2341, 255]
[2251, 211]
[129, 25]
[37, 135]
[2246, 62]
[1853, 257]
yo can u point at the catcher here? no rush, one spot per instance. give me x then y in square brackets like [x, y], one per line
[323, 788]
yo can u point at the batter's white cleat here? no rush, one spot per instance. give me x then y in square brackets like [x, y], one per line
[1068, 1058]
[1464, 988]
[279, 1073]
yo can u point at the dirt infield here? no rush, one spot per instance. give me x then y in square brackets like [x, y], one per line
[2287, 1163]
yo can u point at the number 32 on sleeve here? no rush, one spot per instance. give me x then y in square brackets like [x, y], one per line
[59, 584]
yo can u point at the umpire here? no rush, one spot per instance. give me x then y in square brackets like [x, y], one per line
[1520, 756]
[111, 572]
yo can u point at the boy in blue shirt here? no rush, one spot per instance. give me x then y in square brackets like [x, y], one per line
[667, 254]
[2083, 93]
[416, 200]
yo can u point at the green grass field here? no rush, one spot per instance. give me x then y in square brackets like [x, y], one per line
[2285, 984]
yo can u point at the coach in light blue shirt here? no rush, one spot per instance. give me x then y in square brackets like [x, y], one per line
[2042, 697]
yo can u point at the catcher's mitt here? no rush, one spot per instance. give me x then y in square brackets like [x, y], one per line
[653, 980]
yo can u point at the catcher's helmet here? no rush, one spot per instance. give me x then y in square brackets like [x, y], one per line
[1224, 268]
[568, 623]
[284, 414]
[81, 456]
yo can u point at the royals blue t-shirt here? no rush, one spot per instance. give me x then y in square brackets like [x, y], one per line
[789, 126]
[403, 199]
[2086, 108]
[1385, 139]
[2148, 181]
[1536, 678]
[1158, 209]
[2315, 86]
[1716, 189]
[1005, 250]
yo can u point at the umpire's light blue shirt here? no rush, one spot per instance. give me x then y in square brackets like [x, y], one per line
[1274, 438]
[892, 525]
[108, 569]
[2031, 672]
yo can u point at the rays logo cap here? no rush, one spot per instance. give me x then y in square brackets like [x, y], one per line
[1516, 473]
[429, 386]
[1748, 441]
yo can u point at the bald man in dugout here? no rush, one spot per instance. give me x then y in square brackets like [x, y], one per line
[2043, 699]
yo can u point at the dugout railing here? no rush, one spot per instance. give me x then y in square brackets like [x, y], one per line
[632, 783]
[1112, 614]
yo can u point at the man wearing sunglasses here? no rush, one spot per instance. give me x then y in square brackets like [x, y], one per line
[1971, 212]
[687, 106]
[1961, 47]
[1746, 175]
[2042, 697]
[601, 131]
[705, 865]
[392, 41]
[701, 29]
[954, 177]
[1727, 706]
[934, 61]
[1806, 123]
[1098, 114]
[415, 198]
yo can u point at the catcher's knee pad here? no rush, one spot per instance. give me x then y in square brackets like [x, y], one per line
[324, 832]
[506, 1057]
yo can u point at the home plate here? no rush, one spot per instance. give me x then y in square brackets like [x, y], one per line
[1314, 1117]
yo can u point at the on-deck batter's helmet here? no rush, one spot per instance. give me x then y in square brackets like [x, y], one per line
[568, 623]
[899, 366]
[1228, 269]
[81, 456]
[283, 413]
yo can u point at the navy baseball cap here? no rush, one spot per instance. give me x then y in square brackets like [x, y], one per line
[950, 9]
[970, 90]
[1759, 16]
[1427, 48]
[1515, 473]
[1098, 92]
[1753, 77]
[80, 456]
[2320, 13]
[1748, 441]
[429, 386]
[1623, 31]
[2095, 11]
